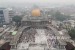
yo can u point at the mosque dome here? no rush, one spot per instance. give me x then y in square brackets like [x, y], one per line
[36, 12]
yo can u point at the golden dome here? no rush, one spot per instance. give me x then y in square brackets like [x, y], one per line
[36, 12]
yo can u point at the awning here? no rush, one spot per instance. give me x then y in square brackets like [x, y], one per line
[14, 32]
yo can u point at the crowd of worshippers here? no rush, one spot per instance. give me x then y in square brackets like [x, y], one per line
[29, 36]
[50, 41]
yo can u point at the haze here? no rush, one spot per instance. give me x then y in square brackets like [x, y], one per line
[37, 1]
[23, 3]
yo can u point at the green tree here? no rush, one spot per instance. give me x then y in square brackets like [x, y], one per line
[17, 19]
[59, 16]
[72, 33]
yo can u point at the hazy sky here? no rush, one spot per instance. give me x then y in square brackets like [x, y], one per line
[38, 1]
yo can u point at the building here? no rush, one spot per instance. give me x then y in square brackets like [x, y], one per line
[4, 45]
[5, 15]
[36, 17]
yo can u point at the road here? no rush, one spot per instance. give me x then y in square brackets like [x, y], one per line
[4, 31]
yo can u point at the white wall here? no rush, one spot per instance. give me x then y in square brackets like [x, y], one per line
[6, 15]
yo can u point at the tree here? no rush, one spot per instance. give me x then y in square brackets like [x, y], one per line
[17, 19]
[59, 16]
[72, 33]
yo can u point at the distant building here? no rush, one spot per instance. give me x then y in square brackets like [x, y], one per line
[5, 15]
